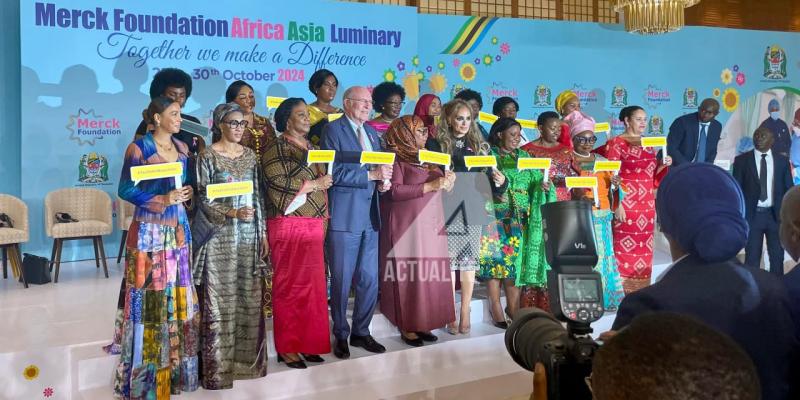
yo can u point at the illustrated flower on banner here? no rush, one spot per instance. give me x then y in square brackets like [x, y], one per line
[428, 68]
[498, 58]
[440, 65]
[495, 40]
[389, 75]
[730, 99]
[740, 78]
[48, 392]
[401, 66]
[438, 83]
[467, 72]
[421, 76]
[415, 61]
[411, 85]
[456, 62]
[726, 76]
[31, 372]
[736, 68]
[487, 59]
[477, 61]
[716, 92]
[505, 48]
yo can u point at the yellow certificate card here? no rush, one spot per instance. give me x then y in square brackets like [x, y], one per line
[528, 124]
[480, 161]
[321, 156]
[377, 157]
[610, 166]
[220, 190]
[654, 141]
[581, 182]
[486, 117]
[432, 157]
[534, 163]
[602, 127]
[274, 102]
[157, 171]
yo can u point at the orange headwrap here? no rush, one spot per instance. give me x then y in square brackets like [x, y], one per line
[563, 98]
[400, 138]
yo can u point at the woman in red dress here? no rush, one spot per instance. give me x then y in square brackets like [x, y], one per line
[547, 146]
[633, 227]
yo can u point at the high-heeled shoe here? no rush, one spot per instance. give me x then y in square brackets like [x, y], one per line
[452, 328]
[299, 364]
[315, 358]
[416, 342]
[508, 314]
[461, 329]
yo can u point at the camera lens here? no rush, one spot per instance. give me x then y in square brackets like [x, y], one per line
[528, 335]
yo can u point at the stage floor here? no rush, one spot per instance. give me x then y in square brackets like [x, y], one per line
[54, 333]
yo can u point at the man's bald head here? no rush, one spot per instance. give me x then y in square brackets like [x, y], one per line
[708, 109]
[357, 104]
[790, 222]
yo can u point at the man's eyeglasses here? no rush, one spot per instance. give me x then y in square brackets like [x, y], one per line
[234, 124]
[362, 101]
[586, 140]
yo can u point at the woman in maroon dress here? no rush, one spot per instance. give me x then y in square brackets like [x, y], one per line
[635, 219]
[416, 292]
[547, 146]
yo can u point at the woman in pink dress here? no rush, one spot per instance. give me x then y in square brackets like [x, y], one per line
[388, 99]
[634, 221]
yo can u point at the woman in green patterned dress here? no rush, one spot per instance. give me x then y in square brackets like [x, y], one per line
[228, 268]
[512, 249]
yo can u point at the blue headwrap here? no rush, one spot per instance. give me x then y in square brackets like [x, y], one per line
[774, 104]
[701, 207]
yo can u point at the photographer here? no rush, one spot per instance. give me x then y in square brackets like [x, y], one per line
[666, 356]
[700, 209]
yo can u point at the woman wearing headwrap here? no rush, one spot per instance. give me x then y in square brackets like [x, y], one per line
[608, 194]
[547, 146]
[297, 213]
[258, 133]
[228, 268]
[634, 221]
[416, 294]
[323, 84]
[429, 109]
[701, 210]
[388, 99]
[512, 249]
[567, 102]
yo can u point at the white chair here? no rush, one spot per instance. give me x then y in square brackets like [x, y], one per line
[92, 209]
[17, 210]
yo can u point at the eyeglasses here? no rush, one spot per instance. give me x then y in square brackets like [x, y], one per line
[396, 103]
[362, 101]
[234, 124]
[585, 140]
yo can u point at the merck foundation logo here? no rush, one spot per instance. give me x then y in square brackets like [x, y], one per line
[86, 127]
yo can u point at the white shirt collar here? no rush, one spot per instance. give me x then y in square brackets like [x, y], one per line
[758, 153]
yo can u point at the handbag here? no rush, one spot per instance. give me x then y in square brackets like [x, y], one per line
[202, 230]
[36, 269]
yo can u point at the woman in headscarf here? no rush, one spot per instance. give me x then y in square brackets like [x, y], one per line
[388, 99]
[512, 249]
[429, 110]
[258, 133]
[609, 193]
[465, 207]
[567, 102]
[323, 84]
[228, 268]
[416, 294]
[547, 146]
[635, 220]
[297, 213]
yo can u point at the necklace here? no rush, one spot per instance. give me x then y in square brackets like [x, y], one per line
[459, 143]
[587, 155]
[162, 147]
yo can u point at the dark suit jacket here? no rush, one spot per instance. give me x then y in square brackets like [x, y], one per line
[682, 139]
[353, 198]
[744, 170]
[751, 306]
[792, 282]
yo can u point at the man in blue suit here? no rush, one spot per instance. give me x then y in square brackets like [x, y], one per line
[701, 211]
[764, 176]
[694, 137]
[354, 224]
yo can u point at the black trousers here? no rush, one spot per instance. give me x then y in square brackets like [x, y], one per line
[764, 224]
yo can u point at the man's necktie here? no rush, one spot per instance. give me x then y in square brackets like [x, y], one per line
[362, 139]
[762, 177]
[701, 145]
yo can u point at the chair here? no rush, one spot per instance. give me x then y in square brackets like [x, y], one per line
[12, 237]
[92, 209]
[124, 219]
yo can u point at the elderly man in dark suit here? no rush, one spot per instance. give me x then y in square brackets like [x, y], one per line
[354, 223]
[694, 137]
[764, 176]
[700, 209]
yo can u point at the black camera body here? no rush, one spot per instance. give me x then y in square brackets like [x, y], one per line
[575, 292]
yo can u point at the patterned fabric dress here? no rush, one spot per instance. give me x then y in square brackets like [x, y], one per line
[604, 242]
[561, 167]
[259, 136]
[230, 276]
[157, 318]
[318, 119]
[512, 247]
[633, 239]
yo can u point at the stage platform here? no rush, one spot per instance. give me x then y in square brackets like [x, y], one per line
[55, 333]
